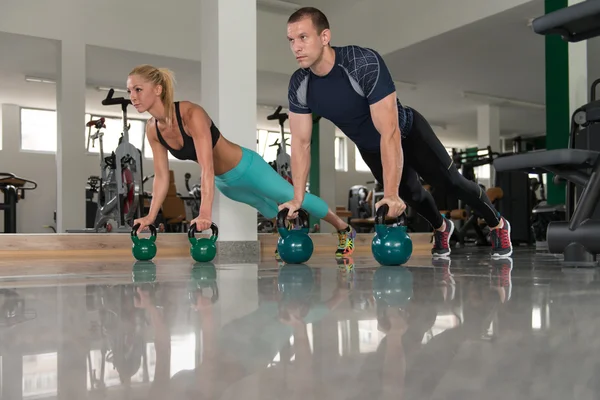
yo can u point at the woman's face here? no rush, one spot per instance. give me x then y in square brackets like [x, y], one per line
[143, 94]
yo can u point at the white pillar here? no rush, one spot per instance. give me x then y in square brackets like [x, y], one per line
[488, 134]
[578, 72]
[488, 127]
[327, 168]
[229, 95]
[70, 101]
[10, 153]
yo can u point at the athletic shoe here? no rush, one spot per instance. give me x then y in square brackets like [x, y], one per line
[346, 242]
[500, 238]
[441, 242]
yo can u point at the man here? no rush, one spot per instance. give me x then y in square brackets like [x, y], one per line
[352, 87]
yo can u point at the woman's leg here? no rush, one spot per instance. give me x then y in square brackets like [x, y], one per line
[267, 207]
[267, 182]
[260, 179]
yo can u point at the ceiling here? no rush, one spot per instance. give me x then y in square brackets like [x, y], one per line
[327, 6]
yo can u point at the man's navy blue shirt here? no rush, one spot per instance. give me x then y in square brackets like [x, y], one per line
[358, 79]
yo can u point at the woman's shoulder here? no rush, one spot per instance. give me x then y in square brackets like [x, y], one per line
[190, 110]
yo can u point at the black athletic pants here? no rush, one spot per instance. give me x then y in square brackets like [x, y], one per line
[425, 156]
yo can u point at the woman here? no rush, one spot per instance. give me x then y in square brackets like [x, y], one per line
[186, 131]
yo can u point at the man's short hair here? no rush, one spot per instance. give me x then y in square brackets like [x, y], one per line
[317, 17]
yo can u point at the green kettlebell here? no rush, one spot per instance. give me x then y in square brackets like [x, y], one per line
[143, 249]
[294, 246]
[203, 249]
[391, 245]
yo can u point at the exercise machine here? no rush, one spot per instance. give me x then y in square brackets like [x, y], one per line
[283, 162]
[195, 194]
[13, 188]
[120, 185]
[578, 238]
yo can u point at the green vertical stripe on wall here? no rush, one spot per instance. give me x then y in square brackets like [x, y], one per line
[557, 98]
[314, 176]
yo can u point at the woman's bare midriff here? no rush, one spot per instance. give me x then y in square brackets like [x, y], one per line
[226, 155]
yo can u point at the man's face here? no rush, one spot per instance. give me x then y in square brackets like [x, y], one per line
[306, 44]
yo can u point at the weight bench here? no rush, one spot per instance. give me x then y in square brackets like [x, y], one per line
[574, 24]
[579, 238]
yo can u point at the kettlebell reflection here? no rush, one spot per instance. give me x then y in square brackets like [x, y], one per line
[203, 291]
[295, 283]
[393, 291]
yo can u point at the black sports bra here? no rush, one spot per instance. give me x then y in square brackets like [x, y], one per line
[188, 151]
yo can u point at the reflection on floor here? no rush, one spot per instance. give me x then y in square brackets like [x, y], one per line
[462, 328]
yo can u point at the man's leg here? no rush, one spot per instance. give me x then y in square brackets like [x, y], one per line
[413, 194]
[426, 154]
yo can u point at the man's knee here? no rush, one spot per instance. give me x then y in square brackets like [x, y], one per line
[414, 195]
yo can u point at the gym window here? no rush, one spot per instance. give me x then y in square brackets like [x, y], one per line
[265, 141]
[359, 163]
[112, 133]
[38, 130]
[341, 154]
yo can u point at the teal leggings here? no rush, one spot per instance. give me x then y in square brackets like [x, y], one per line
[254, 182]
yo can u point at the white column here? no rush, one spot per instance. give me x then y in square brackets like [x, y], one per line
[488, 127]
[488, 134]
[327, 168]
[578, 72]
[228, 58]
[70, 101]
[9, 155]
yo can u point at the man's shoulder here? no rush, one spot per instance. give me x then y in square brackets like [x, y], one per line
[299, 76]
[352, 55]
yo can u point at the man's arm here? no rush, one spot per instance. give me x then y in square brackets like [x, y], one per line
[378, 87]
[385, 118]
[301, 128]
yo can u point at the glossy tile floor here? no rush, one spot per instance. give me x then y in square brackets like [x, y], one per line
[469, 328]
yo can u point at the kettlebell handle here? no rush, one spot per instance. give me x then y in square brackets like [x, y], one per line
[282, 218]
[193, 229]
[134, 236]
[381, 215]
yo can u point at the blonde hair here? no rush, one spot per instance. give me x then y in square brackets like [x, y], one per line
[163, 77]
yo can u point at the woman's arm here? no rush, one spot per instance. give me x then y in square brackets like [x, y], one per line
[160, 186]
[199, 129]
